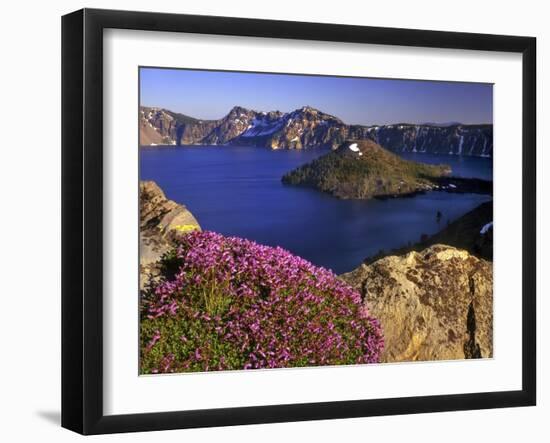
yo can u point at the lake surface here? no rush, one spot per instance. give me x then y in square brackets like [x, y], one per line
[467, 167]
[238, 191]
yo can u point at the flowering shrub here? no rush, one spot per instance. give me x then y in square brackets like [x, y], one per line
[230, 303]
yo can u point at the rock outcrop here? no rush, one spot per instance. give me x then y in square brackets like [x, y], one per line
[436, 304]
[160, 220]
[308, 127]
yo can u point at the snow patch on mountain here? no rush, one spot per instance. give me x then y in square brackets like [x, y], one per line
[260, 127]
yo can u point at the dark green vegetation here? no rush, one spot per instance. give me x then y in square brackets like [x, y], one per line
[462, 185]
[463, 233]
[363, 169]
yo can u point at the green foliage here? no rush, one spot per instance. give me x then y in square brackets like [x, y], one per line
[369, 173]
[194, 336]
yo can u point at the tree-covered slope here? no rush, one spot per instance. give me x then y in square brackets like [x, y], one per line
[363, 169]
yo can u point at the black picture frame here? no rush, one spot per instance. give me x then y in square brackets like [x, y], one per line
[82, 218]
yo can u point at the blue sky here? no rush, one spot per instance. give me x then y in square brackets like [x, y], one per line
[211, 94]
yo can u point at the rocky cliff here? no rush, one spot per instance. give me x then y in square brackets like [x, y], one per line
[164, 127]
[160, 220]
[436, 304]
[308, 127]
[456, 139]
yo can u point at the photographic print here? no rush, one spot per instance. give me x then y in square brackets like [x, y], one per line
[294, 220]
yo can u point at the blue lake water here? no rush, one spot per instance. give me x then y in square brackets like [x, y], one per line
[467, 167]
[238, 191]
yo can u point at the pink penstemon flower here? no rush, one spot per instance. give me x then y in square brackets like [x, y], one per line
[271, 307]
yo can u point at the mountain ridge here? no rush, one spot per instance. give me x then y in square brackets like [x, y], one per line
[308, 127]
